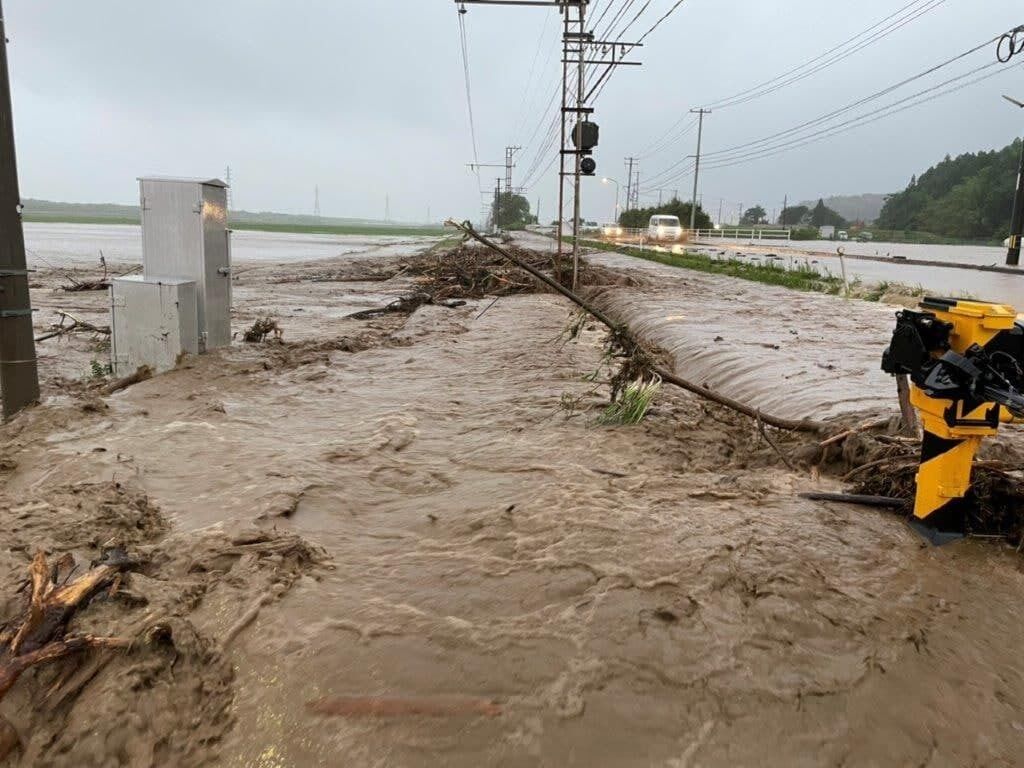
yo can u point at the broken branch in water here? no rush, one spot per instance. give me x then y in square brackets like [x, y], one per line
[405, 304]
[141, 374]
[89, 285]
[76, 325]
[627, 340]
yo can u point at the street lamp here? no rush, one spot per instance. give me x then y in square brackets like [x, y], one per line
[1017, 219]
[615, 215]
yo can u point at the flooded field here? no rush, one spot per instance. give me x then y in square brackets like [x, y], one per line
[502, 581]
[59, 245]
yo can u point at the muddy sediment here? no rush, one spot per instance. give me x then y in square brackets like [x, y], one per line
[406, 541]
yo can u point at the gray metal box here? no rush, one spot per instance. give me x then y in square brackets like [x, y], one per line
[185, 234]
[153, 321]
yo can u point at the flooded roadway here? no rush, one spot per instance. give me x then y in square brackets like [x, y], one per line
[956, 282]
[645, 596]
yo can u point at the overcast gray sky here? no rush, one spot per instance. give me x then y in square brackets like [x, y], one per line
[366, 99]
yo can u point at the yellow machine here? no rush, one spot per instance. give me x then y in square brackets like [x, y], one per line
[965, 360]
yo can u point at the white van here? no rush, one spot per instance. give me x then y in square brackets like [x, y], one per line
[664, 228]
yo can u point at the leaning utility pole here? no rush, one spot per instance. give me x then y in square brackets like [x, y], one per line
[1017, 217]
[19, 375]
[696, 167]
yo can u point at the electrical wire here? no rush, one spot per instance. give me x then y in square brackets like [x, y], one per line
[469, 93]
[901, 105]
[853, 105]
[871, 117]
[891, 23]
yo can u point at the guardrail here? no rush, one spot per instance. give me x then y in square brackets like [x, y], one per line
[745, 233]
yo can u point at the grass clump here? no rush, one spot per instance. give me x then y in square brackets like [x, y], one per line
[632, 403]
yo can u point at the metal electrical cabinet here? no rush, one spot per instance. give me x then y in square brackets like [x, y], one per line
[185, 235]
[153, 322]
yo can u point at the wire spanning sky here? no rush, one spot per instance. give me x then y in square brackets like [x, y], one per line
[367, 100]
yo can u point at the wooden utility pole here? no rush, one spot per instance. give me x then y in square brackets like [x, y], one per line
[19, 376]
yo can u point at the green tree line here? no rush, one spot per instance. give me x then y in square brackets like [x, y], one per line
[969, 197]
[638, 218]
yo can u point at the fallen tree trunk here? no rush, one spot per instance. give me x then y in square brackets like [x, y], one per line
[801, 425]
[141, 374]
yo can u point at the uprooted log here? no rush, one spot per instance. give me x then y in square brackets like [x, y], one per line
[142, 373]
[37, 635]
[74, 325]
[405, 305]
[632, 349]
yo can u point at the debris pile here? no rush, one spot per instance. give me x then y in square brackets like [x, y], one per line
[994, 506]
[470, 272]
[261, 329]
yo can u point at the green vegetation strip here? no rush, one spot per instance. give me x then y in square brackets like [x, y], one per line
[801, 278]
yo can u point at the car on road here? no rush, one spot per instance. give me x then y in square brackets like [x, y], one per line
[612, 230]
[665, 229]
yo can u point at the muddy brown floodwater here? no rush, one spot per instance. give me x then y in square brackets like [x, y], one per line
[487, 577]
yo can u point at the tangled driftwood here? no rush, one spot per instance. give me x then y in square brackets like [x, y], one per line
[261, 329]
[74, 325]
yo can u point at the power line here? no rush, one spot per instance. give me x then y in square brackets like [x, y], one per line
[815, 65]
[913, 10]
[469, 94]
[853, 105]
[871, 117]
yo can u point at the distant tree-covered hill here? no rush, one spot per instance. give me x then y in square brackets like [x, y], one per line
[968, 197]
[864, 207]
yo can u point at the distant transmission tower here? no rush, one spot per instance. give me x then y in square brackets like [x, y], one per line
[316, 202]
[227, 180]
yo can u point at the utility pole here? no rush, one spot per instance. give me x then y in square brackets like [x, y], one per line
[696, 167]
[316, 203]
[497, 203]
[509, 165]
[577, 44]
[387, 208]
[1017, 217]
[721, 202]
[629, 180]
[785, 205]
[581, 37]
[227, 180]
[19, 374]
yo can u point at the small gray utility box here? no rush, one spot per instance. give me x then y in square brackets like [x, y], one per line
[185, 235]
[154, 321]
